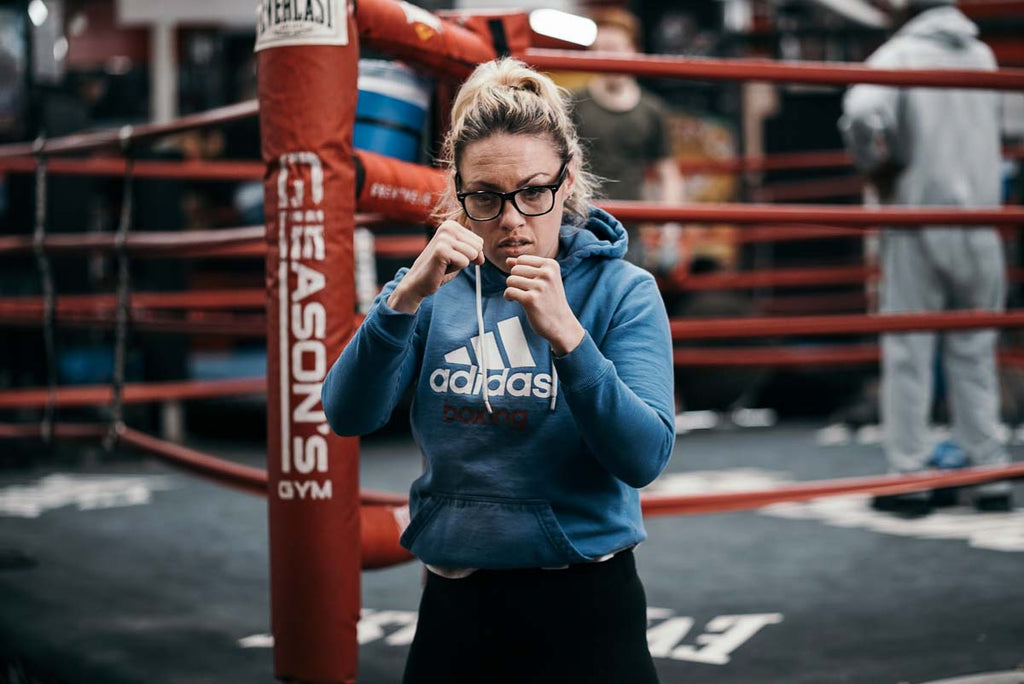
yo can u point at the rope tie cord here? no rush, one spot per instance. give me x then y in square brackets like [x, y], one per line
[48, 290]
[123, 294]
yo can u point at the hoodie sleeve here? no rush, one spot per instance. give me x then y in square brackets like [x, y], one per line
[870, 121]
[368, 379]
[621, 395]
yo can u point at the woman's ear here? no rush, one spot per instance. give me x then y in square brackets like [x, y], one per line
[570, 179]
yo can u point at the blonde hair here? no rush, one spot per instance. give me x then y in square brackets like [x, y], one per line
[506, 96]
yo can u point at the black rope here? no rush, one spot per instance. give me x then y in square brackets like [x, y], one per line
[123, 293]
[499, 39]
[48, 290]
[360, 174]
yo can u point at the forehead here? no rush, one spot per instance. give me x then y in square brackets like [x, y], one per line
[505, 157]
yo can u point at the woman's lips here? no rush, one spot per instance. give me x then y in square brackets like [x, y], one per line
[513, 247]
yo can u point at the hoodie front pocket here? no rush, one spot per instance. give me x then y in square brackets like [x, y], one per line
[488, 532]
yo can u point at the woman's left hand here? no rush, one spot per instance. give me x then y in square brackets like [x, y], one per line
[536, 283]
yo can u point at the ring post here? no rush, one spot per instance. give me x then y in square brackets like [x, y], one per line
[308, 57]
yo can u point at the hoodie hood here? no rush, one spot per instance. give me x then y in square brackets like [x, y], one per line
[601, 236]
[946, 24]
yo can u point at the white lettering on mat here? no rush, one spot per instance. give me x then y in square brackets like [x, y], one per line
[713, 645]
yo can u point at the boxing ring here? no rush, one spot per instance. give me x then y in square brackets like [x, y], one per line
[323, 528]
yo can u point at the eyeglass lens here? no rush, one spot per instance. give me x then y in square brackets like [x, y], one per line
[484, 206]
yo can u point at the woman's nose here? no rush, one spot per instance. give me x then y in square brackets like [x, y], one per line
[510, 217]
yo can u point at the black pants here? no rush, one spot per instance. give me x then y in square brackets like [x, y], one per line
[586, 624]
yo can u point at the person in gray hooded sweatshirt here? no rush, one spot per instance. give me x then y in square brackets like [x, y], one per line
[938, 147]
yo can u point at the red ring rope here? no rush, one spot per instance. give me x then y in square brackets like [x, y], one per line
[134, 393]
[784, 233]
[910, 217]
[800, 356]
[712, 328]
[207, 169]
[769, 357]
[219, 242]
[791, 277]
[193, 300]
[140, 243]
[203, 323]
[114, 137]
[654, 505]
[248, 479]
[191, 169]
[830, 73]
[379, 528]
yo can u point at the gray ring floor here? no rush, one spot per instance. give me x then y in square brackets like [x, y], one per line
[140, 573]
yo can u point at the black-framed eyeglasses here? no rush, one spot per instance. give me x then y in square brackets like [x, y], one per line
[533, 200]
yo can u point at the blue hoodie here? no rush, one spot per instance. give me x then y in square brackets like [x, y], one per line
[548, 477]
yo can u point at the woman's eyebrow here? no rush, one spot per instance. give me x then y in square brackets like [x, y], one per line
[491, 186]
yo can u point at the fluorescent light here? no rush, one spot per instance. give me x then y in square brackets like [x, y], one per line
[60, 49]
[571, 28]
[38, 12]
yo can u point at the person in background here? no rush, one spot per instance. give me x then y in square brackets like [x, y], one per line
[541, 366]
[935, 147]
[624, 127]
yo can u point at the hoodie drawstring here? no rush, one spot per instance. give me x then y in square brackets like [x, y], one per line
[554, 383]
[482, 349]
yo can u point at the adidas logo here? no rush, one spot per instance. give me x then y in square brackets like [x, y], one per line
[506, 350]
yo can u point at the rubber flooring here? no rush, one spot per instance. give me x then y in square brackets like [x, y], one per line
[124, 570]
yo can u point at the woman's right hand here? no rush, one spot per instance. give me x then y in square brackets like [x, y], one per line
[452, 248]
